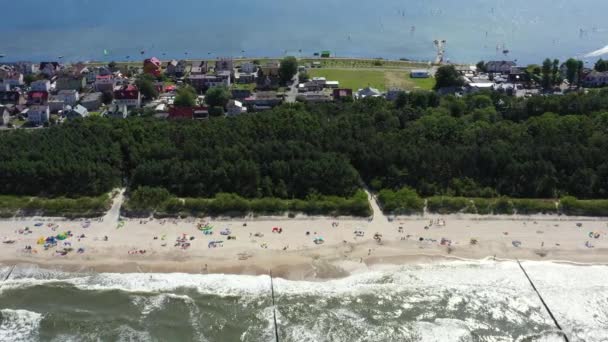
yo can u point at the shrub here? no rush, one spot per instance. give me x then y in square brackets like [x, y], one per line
[404, 201]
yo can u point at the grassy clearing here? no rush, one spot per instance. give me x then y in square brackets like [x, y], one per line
[380, 79]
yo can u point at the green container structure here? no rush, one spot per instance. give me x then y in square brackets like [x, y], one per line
[325, 54]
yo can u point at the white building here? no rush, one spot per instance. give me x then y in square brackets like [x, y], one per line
[235, 108]
[248, 68]
[14, 79]
[69, 97]
[105, 83]
[38, 114]
[41, 85]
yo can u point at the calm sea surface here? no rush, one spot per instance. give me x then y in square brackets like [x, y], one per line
[474, 29]
[456, 301]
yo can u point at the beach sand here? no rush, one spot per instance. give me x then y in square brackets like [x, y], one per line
[293, 254]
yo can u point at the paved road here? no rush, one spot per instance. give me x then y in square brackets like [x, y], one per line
[290, 96]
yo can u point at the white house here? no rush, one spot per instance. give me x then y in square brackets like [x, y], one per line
[368, 92]
[38, 114]
[14, 79]
[41, 85]
[128, 96]
[502, 67]
[235, 108]
[248, 68]
[77, 112]
[69, 97]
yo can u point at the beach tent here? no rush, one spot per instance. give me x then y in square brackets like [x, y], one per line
[41, 241]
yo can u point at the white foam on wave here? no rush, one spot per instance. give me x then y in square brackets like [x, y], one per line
[19, 325]
[577, 294]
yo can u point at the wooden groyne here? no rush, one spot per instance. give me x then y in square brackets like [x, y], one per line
[543, 302]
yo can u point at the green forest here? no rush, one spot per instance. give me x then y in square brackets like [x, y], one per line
[478, 146]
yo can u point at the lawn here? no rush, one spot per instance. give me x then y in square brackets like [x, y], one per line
[381, 79]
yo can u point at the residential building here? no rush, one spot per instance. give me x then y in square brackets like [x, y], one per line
[234, 108]
[13, 78]
[249, 68]
[11, 97]
[129, 96]
[595, 79]
[37, 98]
[224, 64]
[5, 87]
[105, 83]
[368, 92]
[27, 68]
[199, 68]
[270, 69]
[38, 115]
[240, 94]
[153, 66]
[518, 75]
[314, 96]
[49, 69]
[117, 111]
[245, 78]
[5, 116]
[41, 85]
[500, 67]
[71, 82]
[263, 100]
[177, 69]
[5, 71]
[342, 94]
[69, 97]
[420, 73]
[92, 101]
[56, 104]
[204, 82]
[77, 112]
[332, 84]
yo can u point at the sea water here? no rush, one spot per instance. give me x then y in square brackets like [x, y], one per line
[473, 29]
[449, 301]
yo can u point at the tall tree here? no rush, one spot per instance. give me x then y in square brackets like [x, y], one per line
[186, 97]
[556, 79]
[217, 97]
[572, 70]
[601, 65]
[288, 69]
[546, 73]
[447, 76]
[145, 83]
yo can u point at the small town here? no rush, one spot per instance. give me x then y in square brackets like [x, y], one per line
[48, 93]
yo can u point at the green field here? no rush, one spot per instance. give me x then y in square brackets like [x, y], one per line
[380, 79]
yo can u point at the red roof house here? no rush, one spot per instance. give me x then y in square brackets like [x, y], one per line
[153, 66]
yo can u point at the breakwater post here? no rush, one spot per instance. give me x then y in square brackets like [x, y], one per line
[543, 301]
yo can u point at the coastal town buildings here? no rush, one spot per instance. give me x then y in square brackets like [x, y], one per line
[129, 96]
[153, 66]
[38, 114]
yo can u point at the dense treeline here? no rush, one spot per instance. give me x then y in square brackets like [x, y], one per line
[407, 202]
[483, 145]
[148, 200]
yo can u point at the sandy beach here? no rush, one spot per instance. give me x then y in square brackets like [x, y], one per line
[299, 248]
